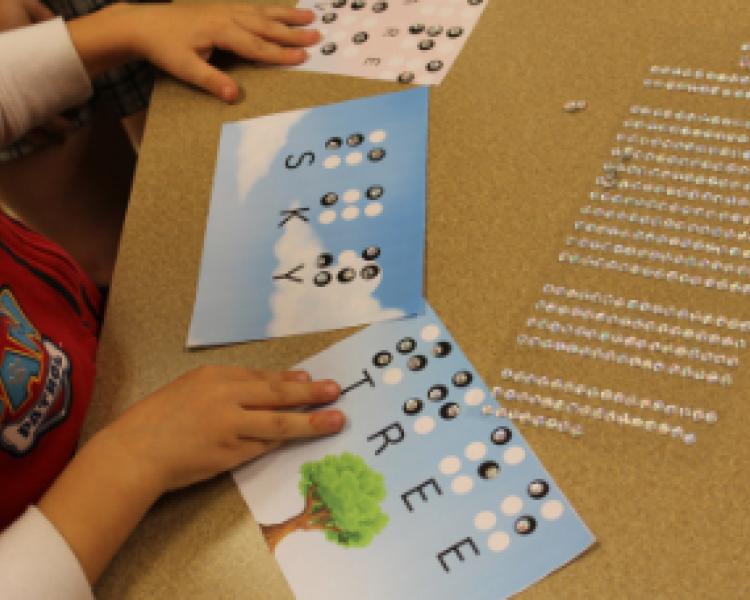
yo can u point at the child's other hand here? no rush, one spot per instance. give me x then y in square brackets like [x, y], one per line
[215, 418]
[179, 39]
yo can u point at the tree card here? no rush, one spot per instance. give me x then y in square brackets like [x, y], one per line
[316, 221]
[423, 495]
[409, 41]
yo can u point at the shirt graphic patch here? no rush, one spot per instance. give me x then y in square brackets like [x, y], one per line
[34, 380]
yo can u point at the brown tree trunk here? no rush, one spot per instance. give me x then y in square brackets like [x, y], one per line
[306, 520]
[275, 533]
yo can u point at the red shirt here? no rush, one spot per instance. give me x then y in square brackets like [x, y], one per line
[49, 323]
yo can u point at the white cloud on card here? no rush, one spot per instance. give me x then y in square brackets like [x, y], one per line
[304, 307]
[259, 145]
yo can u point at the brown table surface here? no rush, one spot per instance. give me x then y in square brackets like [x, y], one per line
[508, 171]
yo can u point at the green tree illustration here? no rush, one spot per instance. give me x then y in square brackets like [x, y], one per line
[342, 499]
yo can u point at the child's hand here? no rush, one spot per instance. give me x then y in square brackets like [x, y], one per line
[179, 39]
[207, 421]
[215, 418]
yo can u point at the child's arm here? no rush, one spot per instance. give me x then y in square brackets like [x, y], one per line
[207, 421]
[178, 39]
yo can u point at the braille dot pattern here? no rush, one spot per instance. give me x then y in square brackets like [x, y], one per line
[358, 38]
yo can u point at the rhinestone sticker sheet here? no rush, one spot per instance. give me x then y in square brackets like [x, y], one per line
[422, 446]
[316, 221]
[409, 41]
[669, 212]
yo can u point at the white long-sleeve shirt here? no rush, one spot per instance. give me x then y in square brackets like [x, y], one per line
[41, 75]
[37, 563]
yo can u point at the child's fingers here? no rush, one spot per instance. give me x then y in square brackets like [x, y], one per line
[192, 69]
[253, 47]
[244, 373]
[286, 394]
[298, 376]
[272, 425]
[275, 31]
[290, 16]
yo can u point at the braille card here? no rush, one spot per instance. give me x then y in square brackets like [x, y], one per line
[410, 41]
[423, 495]
[316, 222]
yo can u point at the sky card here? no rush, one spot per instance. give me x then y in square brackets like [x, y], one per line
[317, 221]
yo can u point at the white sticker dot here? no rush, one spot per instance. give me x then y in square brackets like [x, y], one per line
[514, 455]
[462, 484]
[424, 425]
[350, 213]
[348, 258]
[374, 209]
[332, 162]
[393, 376]
[327, 217]
[512, 505]
[350, 51]
[485, 520]
[430, 333]
[450, 465]
[377, 136]
[552, 509]
[498, 541]
[353, 158]
[475, 450]
[474, 396]
[351, 195]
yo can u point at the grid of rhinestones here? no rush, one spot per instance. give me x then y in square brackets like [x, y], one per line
[624, 419]
[575, 430]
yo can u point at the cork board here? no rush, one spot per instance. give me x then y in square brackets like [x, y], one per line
[508, 172]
